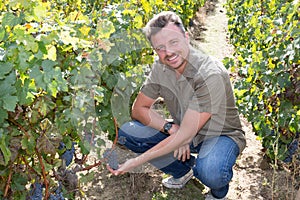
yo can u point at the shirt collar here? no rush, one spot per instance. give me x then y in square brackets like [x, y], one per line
[191, 67]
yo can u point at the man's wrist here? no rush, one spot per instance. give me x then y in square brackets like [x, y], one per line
[167, 127]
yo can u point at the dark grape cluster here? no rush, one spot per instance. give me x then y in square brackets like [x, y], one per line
[36, 192]
[111, 157]
[292, 149]
[68, 154]
[58, 194]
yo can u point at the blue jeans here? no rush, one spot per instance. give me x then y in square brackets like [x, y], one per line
[213, 165]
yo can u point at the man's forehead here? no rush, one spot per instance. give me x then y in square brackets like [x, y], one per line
[168, 32]
[171, 27]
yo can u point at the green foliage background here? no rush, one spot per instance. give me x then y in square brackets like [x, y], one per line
[266, 37]
[67, 69]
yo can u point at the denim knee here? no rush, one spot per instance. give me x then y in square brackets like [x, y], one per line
[212, 176]
[215, 168]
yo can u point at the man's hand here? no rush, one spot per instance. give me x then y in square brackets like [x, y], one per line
[183, 153]
[125, 167]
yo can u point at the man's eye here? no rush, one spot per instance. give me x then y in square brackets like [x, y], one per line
[160, 48]
[174, 42]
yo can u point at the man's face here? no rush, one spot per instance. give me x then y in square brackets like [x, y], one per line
[172, 46]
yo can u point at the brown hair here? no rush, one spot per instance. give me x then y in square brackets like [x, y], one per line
[161, 20]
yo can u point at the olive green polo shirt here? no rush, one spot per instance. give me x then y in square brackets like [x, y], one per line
[204, 86]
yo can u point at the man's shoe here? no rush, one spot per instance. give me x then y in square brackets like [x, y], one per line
[172, 182]
[209, 196]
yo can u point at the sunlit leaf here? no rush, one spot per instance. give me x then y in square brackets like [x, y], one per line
[85, 30]
[146, 6]
[105, 28]
[51, 53]
[40, 12]
[138, 21]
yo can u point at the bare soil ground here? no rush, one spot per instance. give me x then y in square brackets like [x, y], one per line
[254, 178]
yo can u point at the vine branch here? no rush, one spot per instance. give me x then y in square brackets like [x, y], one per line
[8, 182]
[43, 173]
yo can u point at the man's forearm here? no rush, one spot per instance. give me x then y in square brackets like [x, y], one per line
[193, 121]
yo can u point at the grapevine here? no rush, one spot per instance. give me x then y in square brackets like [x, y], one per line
[68, 69]
[266, 38]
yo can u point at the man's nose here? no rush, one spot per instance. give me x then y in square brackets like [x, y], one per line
[169, 51]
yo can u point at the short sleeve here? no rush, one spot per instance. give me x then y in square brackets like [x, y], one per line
[151, 90]
[151, 86]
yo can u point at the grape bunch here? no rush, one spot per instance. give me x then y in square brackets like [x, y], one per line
[36, 193]
[56, 197]
[111, 157]
[58, 194]
[68, 154]
[292, 148]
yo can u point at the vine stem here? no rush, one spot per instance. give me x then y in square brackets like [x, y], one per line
[91, 166]
[117, 133]
[43, 174]
[19, 126]
[8, 182]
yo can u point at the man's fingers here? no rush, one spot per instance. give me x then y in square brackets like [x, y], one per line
[183, 153]
[188, 152]
[114, 172]
[175, 153]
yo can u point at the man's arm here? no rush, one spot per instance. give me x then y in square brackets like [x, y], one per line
[141, 111]
[192, 122]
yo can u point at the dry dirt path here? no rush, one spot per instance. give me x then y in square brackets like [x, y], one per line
[253, 177]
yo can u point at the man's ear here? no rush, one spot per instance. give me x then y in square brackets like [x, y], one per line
[186, 35]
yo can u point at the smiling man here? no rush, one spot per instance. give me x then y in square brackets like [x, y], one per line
[197, 92]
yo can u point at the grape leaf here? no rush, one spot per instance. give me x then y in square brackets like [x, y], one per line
[9, 102]
[6, 84]
[85, 147]
[105, 28]
[23, 92]
[3, 114]
[38, 76]
[10, 19]
[4, 150]
[5, 69]
[44, 145]
[40, 12]
[2, 35]
[28, 143]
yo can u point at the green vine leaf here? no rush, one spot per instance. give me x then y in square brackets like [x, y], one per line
[5, 69]
[10, 20]
[104, 29]
[9, 102]
[5, 152]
